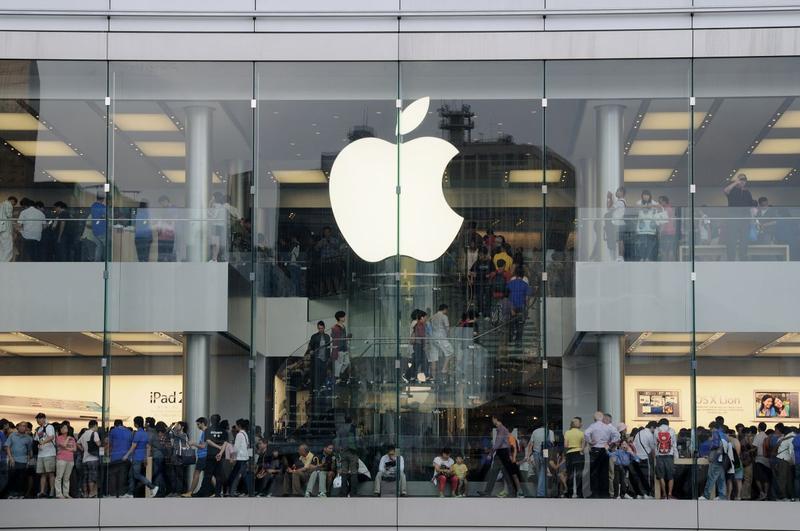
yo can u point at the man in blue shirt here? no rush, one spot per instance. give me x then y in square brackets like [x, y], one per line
[518, 289]
[201, 454]
[98, 211]
[119, 441]
[137, 454]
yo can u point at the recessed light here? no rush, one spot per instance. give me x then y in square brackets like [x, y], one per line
[533, 176]
[77, 176]
[144, 122]
[778, 146]
[670, 120]
[43, 148]
[20, 121]
[300, 177]
[765, 174]
[647, 175]
[658, 147]
[162, 149]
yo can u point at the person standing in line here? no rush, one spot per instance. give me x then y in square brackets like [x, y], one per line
[650, 216]
[7, 229]
[216, 441]
[518, 291]
[45, 438]
[89, 444]
[65, 233]
[599, 436]
[481, 272]
[717, 468]
[143, 233]
[667, 233]
[737, 229]
[201, 453]
[666, 452]
[66, 445]
[440, 340]
[340, 350]
[31, 221]
[18, 448]
[241, 445]
[119, 441]
[748, 457]
[137, 455]
[348, 444]
[615, 224]
[763, 472]
[98, 216]
[319, 353]
[644, 444]
[784, 468]
[536, 453]
[165, 229]
[575, 447]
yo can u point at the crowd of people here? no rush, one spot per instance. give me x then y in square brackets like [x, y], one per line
[52, 459]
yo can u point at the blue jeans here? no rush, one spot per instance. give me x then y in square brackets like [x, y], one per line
[541, 476]
[716, 475]
[136, 475]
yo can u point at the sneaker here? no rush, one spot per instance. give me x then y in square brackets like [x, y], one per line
[154, 491]
[520, 494]
[127, 495]
[441, 494]
[308, 494]
[186, 495]
[574, 495]
[480, 494]
[648, 497]
[322, 495]
[628, 497]
[639, 497]
[376, 494]
[502, 494]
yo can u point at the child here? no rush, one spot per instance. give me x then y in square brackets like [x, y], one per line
[621, 458]
[460, 470]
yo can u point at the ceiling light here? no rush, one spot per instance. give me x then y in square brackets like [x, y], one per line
[77, 176]
[789, 120]
[663, 349]
[300, 177]
[765, 174]
[136, 337]
[11, 337]
[162, 149]
[649, 175]
[32, 349]
[179, 176]
[20, 121]
[533, 176]
[658, 147]
[781, 351]
[663, 337]
[156, 349]
[43, 148]
[670, 120]
[777, 146]
[144, 122]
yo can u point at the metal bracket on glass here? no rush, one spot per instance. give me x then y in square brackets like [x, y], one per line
[252, 104]
[252, 276]
[398, 104]
[692, 101]
[692, 188]
[544, 276]
[396, 364]
[694, 276]
[397, 190]
[251, 364]
[103, 362]
[105, 274]
[107, 187]
[694, 365]
[544, 102]
[108, 101]
[544, 364]
[544, 189]
[545, 452]
[252, 190]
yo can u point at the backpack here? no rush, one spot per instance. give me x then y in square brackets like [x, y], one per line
[92, 446]
[664, 443]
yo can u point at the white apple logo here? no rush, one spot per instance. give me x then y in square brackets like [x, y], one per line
[363, 193]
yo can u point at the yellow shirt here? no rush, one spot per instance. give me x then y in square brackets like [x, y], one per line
[308, 459]
[460, 470]
[502, 255]
[573, 439]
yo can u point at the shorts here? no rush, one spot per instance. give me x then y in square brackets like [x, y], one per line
[201, 464]
[46, 465]
[665, 467]
[738, 473]
[90, 470]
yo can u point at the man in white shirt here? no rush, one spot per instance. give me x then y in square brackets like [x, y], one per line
[763, 471]
[645, 446]
[440, 332]
[599, 436]
[31, 221]
[666, 442]
[89, 443]
[45, 437]
[390, 468]
[7, 229]
[537, 445]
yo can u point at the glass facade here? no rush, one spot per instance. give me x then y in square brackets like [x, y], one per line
[361, 277]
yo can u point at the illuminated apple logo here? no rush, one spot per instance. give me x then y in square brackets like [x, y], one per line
[363, 193]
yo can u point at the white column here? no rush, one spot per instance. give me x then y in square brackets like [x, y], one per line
[609, 159]
[610, 375]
